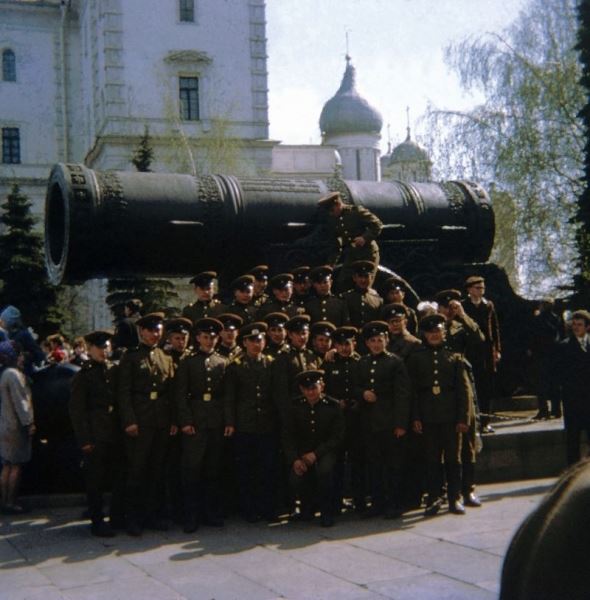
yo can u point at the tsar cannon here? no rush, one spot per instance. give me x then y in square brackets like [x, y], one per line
[113, 223]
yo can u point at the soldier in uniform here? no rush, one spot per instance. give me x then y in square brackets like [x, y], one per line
[463, 336]
[394, 292]
[301, 285]
[312, 436]
[340, 377]
[363, 302]
[248, 388]
[205, 305]
[401, 341]
[228, 345]
[145, 377]
[320, 335]
[353, 231]
[96, 426]
[177, 340]
[486, 358]
[204, 419]
[276, 334]
[383, 390]
[243, 303]
[441, 410]
[288, 364]
[323, 305]
[260, 274]
[282, 290]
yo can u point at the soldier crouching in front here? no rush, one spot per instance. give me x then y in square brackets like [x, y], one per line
[145, 378]
[203, 417]
[312, 436]
[96, 425]
[441, 411]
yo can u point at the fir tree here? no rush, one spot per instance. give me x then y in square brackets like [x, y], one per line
[22, 266]
[156, 294]
[143, 155]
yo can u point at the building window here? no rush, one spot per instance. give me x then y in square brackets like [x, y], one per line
[189, 98]
[10, 145]
[187, 10]
[8, 65]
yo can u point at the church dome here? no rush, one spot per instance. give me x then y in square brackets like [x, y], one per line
[347, 111]
[408, 151]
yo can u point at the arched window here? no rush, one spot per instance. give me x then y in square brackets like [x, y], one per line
[8, 65]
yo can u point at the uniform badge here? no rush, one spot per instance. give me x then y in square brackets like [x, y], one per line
[436, 390]
[206, 397]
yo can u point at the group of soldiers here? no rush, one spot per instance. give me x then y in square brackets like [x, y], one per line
[318, 397]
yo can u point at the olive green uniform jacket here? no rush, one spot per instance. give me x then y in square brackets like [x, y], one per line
[200, 394]
[93, 403]
[248, 389]
[441, 389]
[145, 386]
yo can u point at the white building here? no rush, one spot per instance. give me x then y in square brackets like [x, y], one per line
[81, 79]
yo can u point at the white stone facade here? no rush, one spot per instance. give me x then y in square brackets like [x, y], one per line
[359, 153]
[92, 74]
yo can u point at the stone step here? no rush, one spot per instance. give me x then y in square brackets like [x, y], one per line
[523, 449]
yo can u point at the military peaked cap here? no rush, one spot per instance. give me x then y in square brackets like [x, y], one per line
[394, 283]
[323, 328]
[151, 320]
[344, 334]
[242, 283]
[260, 272]
[473, 280]
[178, 325]
[298, 323]
[431, 322]
[283, 280]
[230, 320]
[363, 267]
[208, 325]
[393, 311]
[276, 319]
[203, 279]
[374, 328]
[300, 274]
[255, 330]
[443, 297]
[318, 274]
[98, 338]
[309, 378]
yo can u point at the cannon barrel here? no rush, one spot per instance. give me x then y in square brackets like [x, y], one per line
[115, 223]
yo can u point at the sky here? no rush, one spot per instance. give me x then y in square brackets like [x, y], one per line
[396, 46]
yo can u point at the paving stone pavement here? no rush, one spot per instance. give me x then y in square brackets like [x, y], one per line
[50, 555]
